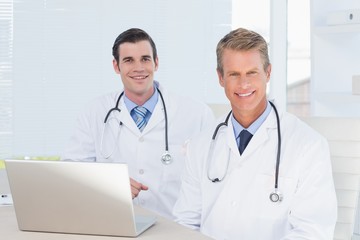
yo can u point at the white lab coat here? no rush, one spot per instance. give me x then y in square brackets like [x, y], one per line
[142, 151]
[239, 207]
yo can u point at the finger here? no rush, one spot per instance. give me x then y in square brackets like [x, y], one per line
[134, 192]
[137, 187]
[144, 187]
[135, 184]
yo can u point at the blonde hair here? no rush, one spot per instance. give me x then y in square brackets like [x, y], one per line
[242, 39]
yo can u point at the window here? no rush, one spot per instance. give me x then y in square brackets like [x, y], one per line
[248, 14]
[62, 59]
[298, 67]
[6, 56]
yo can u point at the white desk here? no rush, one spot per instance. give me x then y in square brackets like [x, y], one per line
[162, 230]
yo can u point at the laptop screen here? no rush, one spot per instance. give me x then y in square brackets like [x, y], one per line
[72, 197]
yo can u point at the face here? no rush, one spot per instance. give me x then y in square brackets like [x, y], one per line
[244, 82]
[136, 67]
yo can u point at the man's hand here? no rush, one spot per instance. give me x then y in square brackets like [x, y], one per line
[136, 187]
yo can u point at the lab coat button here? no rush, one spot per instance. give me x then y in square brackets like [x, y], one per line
[141, 171]
[141, 139]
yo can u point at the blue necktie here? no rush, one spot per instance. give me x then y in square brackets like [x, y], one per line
[245, 137]
[140, 117]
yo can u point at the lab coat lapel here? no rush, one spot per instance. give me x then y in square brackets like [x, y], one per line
[262, 134]
[126, 119]
[231, 140]
[156, 117]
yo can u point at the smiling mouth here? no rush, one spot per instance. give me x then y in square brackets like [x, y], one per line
[139, 77]
[245, 94]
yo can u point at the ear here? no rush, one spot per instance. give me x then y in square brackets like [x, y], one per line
[221, 78]
[156, 63]
[116, 66]
[268, 73]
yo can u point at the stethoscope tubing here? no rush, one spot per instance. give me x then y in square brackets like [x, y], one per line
[211, 151]
[116, 108]
[166, 158]
[166, 122]
[278, 147]
[275, 196]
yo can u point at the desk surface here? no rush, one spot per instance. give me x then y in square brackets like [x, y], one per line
[163, 228]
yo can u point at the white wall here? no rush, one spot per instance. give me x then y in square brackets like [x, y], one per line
[335, 58]
[62, 58]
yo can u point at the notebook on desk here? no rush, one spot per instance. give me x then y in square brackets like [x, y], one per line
[74, 197]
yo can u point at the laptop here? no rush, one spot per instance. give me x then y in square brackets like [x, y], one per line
[74, 197]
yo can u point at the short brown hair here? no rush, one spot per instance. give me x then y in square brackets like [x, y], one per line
[242, 40]
[133, 35]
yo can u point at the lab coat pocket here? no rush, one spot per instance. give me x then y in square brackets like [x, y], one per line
[263, 186]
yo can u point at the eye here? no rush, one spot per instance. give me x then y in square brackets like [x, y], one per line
[127, 60]
[252, 73]
[146, 59]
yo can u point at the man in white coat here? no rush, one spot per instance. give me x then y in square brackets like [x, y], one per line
[231, 192]
[140, 136]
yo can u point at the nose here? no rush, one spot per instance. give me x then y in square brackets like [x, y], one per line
[139, 66]
[244, 82]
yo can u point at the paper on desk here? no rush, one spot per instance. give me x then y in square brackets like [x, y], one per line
[6, 200]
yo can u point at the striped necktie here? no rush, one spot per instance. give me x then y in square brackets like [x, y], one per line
[140, 117]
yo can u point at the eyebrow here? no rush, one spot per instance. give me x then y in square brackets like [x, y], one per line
[146, 56]
[127, 58]
[130, 58]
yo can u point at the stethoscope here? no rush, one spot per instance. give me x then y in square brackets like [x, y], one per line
[166, 158]
[274, 196]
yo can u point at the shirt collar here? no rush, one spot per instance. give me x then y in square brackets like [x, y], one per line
[149, 104]
[254, 126]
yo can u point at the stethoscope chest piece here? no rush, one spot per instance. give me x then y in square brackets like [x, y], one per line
[276, 196]
[166, 158]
